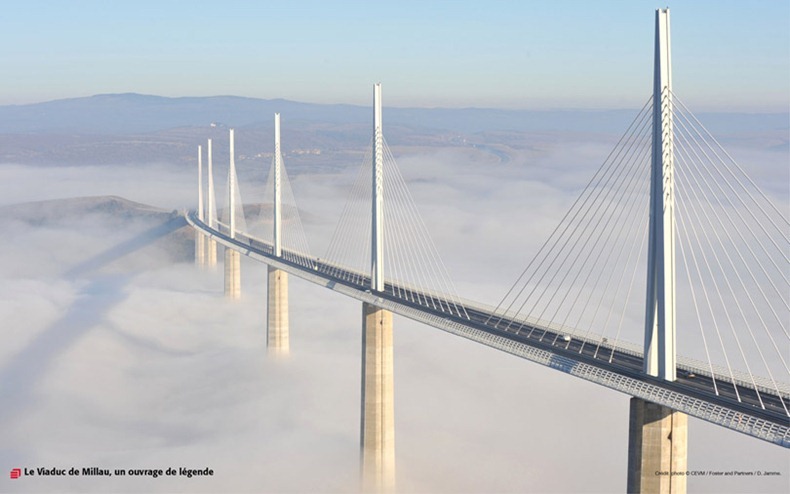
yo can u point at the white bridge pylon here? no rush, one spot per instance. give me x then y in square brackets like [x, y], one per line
[381, 241]
[671, 253]
[273, 216]
[660, 338]
[232, 256]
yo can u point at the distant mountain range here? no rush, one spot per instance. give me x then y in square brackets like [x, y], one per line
[138, 113]
[127, 128]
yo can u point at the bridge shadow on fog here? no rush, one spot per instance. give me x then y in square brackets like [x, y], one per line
[22, 373]
[20, 376]
[127, 247]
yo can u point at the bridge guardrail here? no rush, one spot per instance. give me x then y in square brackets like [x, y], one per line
[688, 364]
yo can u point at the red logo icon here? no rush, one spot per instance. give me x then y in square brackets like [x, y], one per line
[15, 473]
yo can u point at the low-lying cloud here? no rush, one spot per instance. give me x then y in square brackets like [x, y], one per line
[144, 363]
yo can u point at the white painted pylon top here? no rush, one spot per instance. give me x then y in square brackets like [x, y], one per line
[660, 337]
[377, 231]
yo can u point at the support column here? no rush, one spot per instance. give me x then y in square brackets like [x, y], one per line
[232, 257]
[232, 274]
[200, 239]
[211, 253]
[657, 449]
[277, 339]
[211, 244]
[378, 411]
[200, 249]
[377, 438]
[277, 313]
[657, 437]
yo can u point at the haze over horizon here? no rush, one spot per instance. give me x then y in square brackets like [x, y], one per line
[428, 54]
[714, 110]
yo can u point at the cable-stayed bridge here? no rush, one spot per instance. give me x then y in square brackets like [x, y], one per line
[670, 237]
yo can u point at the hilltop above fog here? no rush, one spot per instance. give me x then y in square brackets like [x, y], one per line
[161, 236]
[56, 211]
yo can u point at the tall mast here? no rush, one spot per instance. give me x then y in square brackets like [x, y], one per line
[232, 189]
[660, 337]
[212, 208]
[277, 192]
[377, 257]
[200, 183]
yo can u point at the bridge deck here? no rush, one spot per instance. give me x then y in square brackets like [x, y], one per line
[692, 393]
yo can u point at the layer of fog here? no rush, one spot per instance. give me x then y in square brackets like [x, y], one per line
[129, 367]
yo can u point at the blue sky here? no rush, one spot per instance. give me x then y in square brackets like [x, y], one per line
[727, 55]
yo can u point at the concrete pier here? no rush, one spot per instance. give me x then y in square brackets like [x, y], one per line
[277, 313]
[232, 274]
[657, 448]
[378, 410]
[211, 253]
[200, 249]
